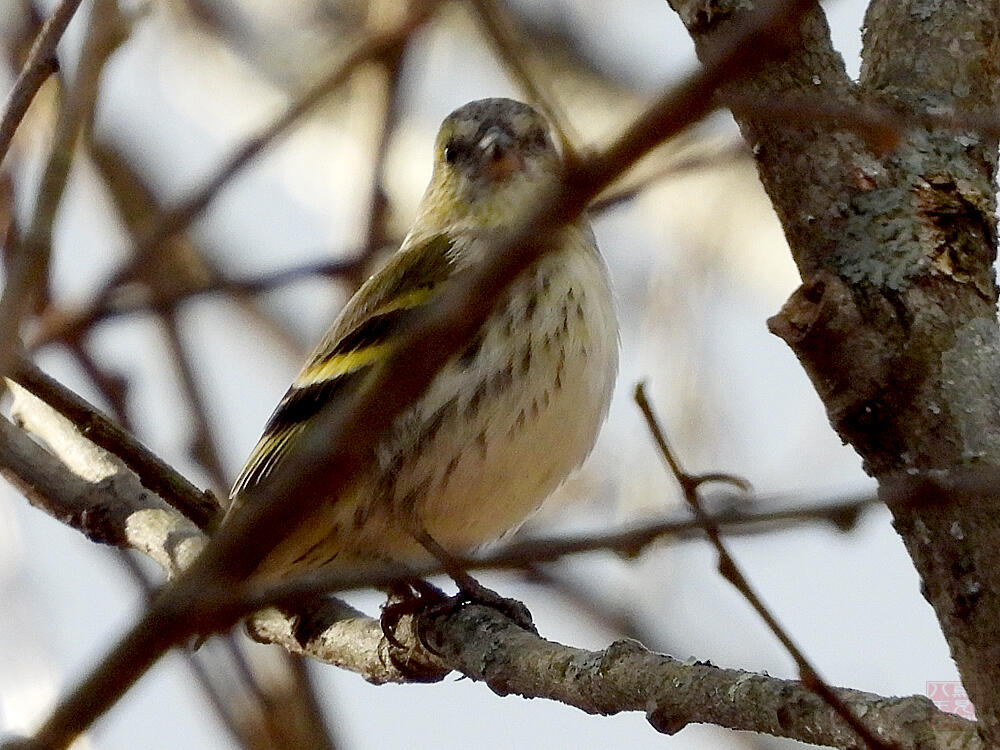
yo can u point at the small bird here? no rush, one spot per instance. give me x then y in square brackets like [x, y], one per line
[502, 423]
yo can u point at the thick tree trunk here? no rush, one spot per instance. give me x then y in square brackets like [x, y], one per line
[895, 321]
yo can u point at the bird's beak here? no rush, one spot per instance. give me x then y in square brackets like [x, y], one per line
[499, 155]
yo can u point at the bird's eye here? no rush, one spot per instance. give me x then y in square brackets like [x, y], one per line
[450, 153]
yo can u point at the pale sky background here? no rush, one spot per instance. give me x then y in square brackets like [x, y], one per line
[699, 264]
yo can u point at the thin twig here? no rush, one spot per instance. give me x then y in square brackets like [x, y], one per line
[287, 710]
[376, 234]
[678, 168]
[143, 301]
[41, 63]
[201, 674]
[629, 542]
[728, 568]
[203, 446]
[182, 270]
[566, 50]
[113, 386]
[323, 736]
[621, 620]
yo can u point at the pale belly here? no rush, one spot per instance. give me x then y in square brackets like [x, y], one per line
[499, 429]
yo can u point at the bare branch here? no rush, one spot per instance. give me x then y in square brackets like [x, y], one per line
[728, 568]
[203, 446]
[375, 45]
[376, 233]
[89, 489]
[674, 694]
[181, 268]
[27, 272]
[624, 677]
[130, 300]
[41, 63]
[675, 168]
[484, 645]
[200, 507]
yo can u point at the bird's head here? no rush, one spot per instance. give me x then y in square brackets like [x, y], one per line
[492, 159]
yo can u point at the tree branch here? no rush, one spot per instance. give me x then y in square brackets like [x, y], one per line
[27, 271]
[731, 571]
[624, 677]
[154, 474]
[673, 694]
[90, 489]
[375, 45]
[41, 63]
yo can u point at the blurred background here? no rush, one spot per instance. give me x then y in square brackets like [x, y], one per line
[194, 352]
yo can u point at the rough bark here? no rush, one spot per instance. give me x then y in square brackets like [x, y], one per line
[895, 321]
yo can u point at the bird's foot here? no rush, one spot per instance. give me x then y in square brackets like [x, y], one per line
[410, 598]
[425, 601]
[471, 591]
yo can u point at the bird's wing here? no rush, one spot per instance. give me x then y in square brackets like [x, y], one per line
[356, 340]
